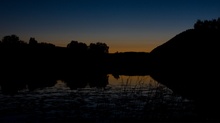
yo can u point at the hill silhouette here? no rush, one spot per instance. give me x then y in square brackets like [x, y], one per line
[188, 64]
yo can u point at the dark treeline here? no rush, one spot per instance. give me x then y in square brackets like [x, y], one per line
[207, 24]
[35, 63]
[47, 59]
[77, 57]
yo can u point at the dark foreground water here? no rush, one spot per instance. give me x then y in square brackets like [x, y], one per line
[128, 99]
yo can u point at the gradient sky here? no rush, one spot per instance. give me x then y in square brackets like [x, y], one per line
[124, 25]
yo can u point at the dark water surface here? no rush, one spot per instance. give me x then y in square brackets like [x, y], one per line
[128, 98]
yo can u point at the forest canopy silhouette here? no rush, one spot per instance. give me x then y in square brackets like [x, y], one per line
[13, 41]
[76, 57]
[44, 57]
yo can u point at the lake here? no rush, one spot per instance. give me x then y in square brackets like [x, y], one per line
[119, 98]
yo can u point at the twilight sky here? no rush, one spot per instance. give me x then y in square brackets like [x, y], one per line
[124, 25]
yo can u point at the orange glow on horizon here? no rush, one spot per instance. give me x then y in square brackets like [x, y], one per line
[124, 48]
[120, 47]
[132, 48]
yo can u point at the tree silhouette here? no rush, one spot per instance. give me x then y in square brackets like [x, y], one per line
[198, 24]
[12, 41]
[32, 42]
[98, 48]
[207, 24]
[78, 47]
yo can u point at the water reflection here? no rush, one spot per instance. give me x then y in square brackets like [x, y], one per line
[132, 80]
[92, 97]
[14, 86]
[76, 81]
[99, 80]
